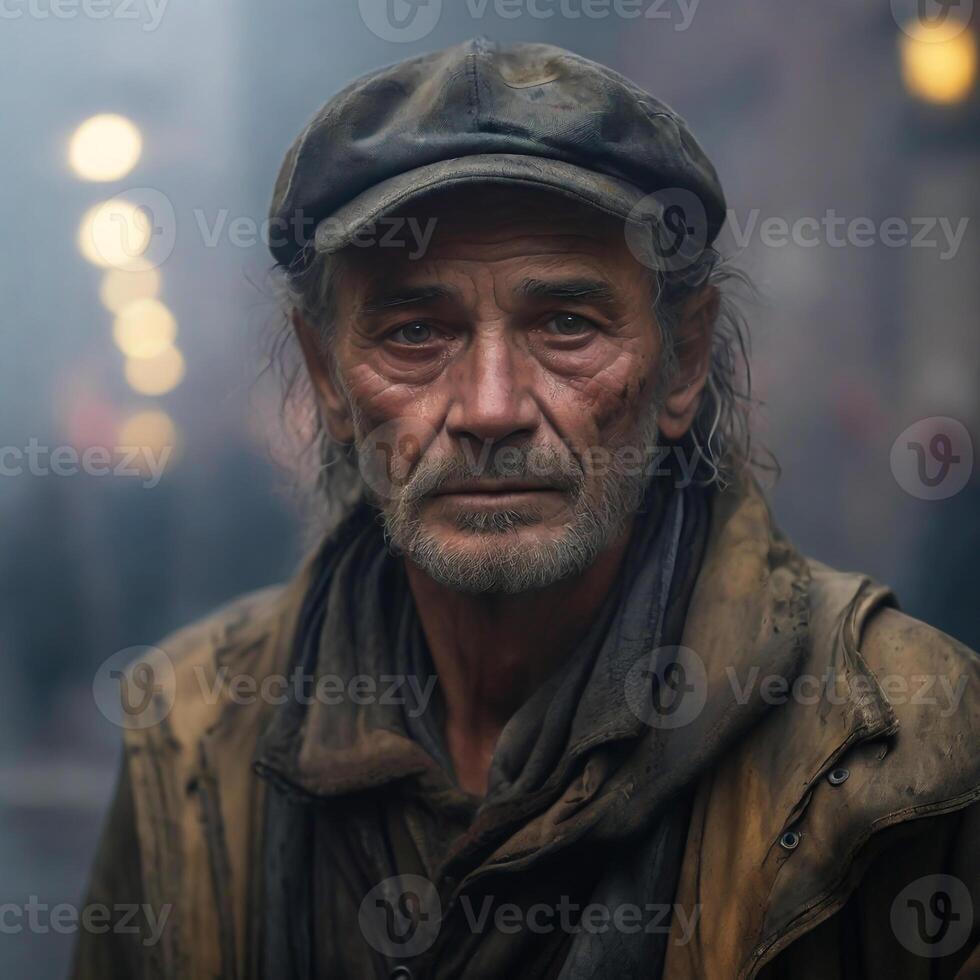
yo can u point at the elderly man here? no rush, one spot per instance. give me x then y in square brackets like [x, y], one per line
[553, 697]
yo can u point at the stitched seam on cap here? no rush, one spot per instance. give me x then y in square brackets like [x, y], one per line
[473, 97]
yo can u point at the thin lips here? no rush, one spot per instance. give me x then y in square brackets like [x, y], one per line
[491, 486]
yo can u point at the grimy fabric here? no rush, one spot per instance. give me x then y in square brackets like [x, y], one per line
[193, 823]
[478, 112]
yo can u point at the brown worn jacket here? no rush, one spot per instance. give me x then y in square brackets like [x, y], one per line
[815, 838]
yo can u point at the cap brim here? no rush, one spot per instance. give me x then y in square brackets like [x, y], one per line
[609, 194]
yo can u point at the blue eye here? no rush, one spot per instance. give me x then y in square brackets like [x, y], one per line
[413, 333]
[570, 324]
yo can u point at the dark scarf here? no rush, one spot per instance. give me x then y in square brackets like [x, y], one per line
[358, 618]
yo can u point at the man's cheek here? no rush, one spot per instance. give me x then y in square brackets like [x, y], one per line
[602, 413]
[389, 452]
[375, 401]
[394, 429]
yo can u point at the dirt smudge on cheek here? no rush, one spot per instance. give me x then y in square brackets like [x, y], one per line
[610, 408]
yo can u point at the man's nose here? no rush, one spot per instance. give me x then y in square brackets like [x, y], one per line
[492, 397]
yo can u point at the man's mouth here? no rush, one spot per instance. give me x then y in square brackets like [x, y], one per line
[493, 488]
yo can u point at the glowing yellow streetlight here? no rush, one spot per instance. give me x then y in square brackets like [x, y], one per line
[156, 375]
[105, 147]
[937, 65]
[144, 329]
[114, 234]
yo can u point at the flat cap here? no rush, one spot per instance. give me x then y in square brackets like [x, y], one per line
[531, 114]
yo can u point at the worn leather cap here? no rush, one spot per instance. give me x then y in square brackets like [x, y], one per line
[530, 114]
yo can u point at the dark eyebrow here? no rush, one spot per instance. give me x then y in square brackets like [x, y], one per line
[583, 290]
[409, 296]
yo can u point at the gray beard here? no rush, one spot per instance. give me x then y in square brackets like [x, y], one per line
[505, 564]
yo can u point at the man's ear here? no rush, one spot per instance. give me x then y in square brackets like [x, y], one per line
[336, 409]
[693, 341]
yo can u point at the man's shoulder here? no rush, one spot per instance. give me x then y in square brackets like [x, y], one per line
[892, 639]
[892, 644]
[219, 629]
[932, 682]
[194, 665]
[926, 682]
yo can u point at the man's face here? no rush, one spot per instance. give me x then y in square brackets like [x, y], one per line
[501, 388]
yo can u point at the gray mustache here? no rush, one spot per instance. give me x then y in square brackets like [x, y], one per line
[544, 463]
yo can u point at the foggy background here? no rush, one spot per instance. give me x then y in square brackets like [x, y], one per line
[807, 110]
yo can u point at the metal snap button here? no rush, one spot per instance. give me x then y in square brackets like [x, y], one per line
[790, 840]
[400, 973]
[836, 776]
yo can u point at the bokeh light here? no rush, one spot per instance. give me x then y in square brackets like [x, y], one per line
[114, 234]
[120, 287]
[105, 147]
[154, 432]
[938, 69]
[156, 375]
[144, 329]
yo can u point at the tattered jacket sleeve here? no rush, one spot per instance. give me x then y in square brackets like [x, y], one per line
[116, 883]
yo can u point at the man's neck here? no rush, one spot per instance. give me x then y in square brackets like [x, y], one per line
[491, 652]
